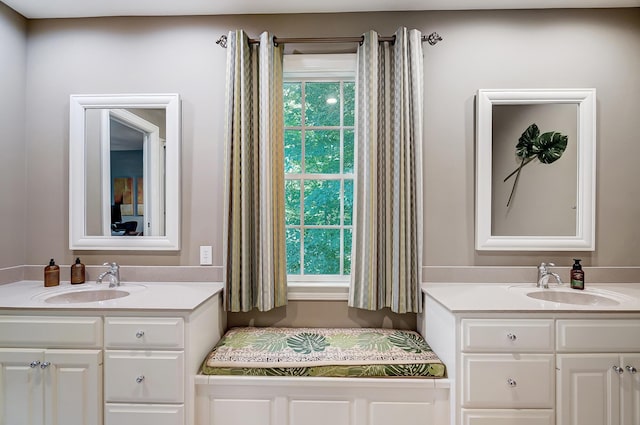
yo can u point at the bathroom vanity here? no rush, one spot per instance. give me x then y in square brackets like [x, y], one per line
[521, 355]
[65, 359]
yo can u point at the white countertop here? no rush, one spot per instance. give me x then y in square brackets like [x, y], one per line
[172, 296]
[487, 297]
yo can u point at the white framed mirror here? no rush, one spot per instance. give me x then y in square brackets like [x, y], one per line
[535, 170]
[124, 172]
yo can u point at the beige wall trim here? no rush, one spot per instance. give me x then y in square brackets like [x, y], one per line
[11, 274]
[458, 274]
[491, 274]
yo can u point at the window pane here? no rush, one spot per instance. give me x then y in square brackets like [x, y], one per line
[349, 90]
[321, 202]
[322, 104]
[347, 251]
[293, 251]
[292, 201]
[348, 152]
[292, 151]
[348, 202]
[292, 104]
[322, 151]
[322, 251]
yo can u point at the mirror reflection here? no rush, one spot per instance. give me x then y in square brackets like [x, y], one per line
[534, 185]
[131, 171]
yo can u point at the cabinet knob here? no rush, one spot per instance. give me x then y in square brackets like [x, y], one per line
[139, 334]
[512, 337]
[45, 365]
[512, 383]
[139, 379]
[618, 370]
[34, 363]
[631, 369]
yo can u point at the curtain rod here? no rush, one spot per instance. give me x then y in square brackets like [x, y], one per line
[432, 39]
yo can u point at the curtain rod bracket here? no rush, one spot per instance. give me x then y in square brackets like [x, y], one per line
[222, 41]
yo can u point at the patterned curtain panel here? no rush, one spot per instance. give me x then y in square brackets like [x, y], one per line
[254, 251]
[387, 240]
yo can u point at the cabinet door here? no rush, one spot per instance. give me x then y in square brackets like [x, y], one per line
[588, 389]
[21, 395]
[73, 387]
[630, 408]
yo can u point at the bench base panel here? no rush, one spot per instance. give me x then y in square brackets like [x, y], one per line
[242, 400]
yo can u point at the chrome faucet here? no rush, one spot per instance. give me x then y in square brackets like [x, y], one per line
[544, 274]
[113, 273]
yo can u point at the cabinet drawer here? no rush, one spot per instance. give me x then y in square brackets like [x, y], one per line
[144, 376]
[604, 336]
[508, 381]
[136, 414]
[507, 417]
[141, 332]
[496, 335]
[50, 332]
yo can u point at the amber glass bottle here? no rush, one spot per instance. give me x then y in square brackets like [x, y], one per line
[77, 272]
[52, 274]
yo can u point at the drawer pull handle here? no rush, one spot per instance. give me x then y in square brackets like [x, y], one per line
[34, 363]
[512, 383]
[45, 365]
[631, 369]
[139, 334]
[618, 369]
[512, 337]
[139, 379]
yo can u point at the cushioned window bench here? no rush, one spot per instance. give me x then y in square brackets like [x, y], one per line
[314, 376]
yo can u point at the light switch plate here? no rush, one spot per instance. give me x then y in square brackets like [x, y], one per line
[205, 256]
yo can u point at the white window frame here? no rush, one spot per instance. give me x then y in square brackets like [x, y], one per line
[319, 67]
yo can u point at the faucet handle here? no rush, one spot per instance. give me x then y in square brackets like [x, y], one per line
[551, 264]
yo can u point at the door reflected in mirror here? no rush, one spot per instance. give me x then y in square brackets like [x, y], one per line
[124, 172]
[126, 150]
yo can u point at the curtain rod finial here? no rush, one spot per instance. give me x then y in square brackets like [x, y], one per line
[433, 38]
[222, 41]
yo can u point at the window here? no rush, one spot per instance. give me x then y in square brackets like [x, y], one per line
[319, 113]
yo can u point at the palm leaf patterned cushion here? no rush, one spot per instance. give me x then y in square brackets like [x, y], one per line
[333, 352]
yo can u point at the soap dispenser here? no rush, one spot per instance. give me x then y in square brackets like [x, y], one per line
[52, 274]
[77, 272]
[577, 275]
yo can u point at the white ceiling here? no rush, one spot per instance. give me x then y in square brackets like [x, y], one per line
[38, 9]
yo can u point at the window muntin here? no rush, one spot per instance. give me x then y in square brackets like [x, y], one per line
[319, 161]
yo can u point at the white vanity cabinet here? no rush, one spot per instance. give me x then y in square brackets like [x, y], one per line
[506, 364]
[598, 378]
[536, 367]
[144, 370]
[127, 362]
[48, 385]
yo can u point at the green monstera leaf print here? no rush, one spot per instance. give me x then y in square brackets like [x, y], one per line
[547, 148]
[272, 342]
[409, 342]
[374, 341]
[307, 343]
[407, 370]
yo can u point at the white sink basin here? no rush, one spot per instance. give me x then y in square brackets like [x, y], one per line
[86, 296]
[91, 293]
[573, 297]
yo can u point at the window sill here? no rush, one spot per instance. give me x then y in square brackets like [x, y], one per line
[315, 291]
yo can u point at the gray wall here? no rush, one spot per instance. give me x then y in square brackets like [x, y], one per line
[13, 188]
[482, 49]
